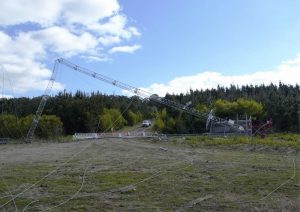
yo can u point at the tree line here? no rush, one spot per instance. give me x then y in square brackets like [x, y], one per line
[67, 113]
[79, 112]
[281, 103]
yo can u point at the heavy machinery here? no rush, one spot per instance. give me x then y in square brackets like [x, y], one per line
[209, 117]
[262, 129]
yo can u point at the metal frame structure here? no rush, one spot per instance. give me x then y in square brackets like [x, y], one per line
[218, 128]
[143, 94]
[263, 129]
[42, 104]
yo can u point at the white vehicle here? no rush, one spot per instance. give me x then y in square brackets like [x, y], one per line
[146, 123]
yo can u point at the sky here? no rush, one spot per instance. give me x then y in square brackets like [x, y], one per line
[160, 46]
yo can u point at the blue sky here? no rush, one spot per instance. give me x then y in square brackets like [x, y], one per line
[159, 46]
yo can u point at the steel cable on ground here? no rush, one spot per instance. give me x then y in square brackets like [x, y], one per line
[26, 207]
[161, 171]
[65, 162]
[45, 176]
[10, 193]
[74, 195]
[3, 197]
[65, 201]
[274, 190]
[53, 171]
[282, 184]
[155, 175]
[266, 196]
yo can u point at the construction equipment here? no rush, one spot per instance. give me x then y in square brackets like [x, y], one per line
[262, 129]
[42, 104]
[141, 93]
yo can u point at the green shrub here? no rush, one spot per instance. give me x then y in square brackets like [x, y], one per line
[50, 126]
[111, 119]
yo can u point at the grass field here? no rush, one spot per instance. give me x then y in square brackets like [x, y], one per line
[278, 142]
[191, 174]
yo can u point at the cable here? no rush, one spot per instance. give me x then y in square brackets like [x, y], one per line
[10, 194]
[117, 118]
[74, 195]
[26, 189]
[62, 164]
[274, 190]
[29, 205]
[3, 197]
[15, 105]
[3, 88]
[47, 175]
[291, 178]
[160, 172]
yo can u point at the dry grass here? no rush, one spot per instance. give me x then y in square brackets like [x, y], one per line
[140, 175]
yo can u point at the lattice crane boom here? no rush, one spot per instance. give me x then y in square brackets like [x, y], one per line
[141, 93]
[42, 104]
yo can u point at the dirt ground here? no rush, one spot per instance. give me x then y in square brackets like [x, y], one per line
[145, 175]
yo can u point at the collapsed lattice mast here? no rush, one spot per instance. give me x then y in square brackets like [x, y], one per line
[209, 117]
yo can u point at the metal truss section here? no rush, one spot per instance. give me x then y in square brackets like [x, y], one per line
[143, 94]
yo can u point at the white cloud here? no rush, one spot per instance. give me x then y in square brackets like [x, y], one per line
[134, 31]
[62, 41]
[46, 13]
[124, 49]
[24, 75]
[42, 12]
[109, 40]
[33, 32]
[116, 26]
[287, 72]
[91, 58]
[20, 46]
[88, 11]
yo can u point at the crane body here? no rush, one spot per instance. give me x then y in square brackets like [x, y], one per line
[209, 117]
